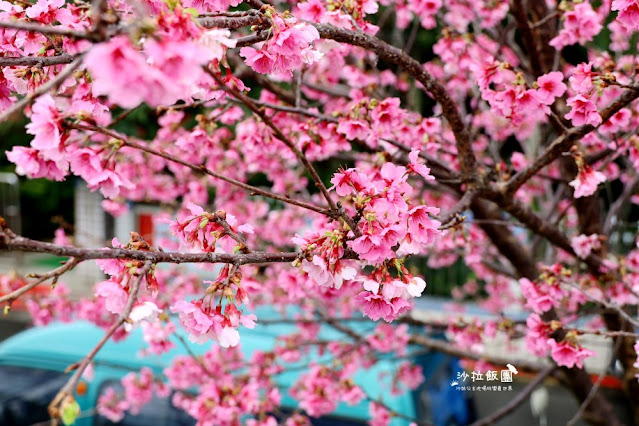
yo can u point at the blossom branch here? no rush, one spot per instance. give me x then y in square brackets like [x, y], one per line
[49, 85]
[414, 68]
[433, 162]
[43, 61]
[17, 243]
[334, 209]
[461, 205]
[55, 274]
[219, 219]
[544, 228]
[52, 30]
[518, 10]
[233, 22]
[400, 58]
[67, 391]
[563, 143]
[202, 169]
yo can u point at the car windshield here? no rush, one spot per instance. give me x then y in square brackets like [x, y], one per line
[25, 394]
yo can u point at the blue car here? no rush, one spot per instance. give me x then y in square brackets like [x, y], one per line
[32, 366]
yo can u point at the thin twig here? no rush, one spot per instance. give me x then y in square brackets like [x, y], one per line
[67, 389]
[335, 211]
[55, 274]
[45, 29]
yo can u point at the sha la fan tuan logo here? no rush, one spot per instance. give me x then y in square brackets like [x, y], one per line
[491, 380]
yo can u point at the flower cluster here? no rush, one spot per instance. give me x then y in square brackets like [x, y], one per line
[164, 72]
[510, 96]
[320, 390]
[209, 231]
[288, 48]
[580, 25]
[203, 319]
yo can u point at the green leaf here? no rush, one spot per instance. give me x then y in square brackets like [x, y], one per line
[70, 411]
[191, 11]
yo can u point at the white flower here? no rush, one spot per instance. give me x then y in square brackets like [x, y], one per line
[145, 311]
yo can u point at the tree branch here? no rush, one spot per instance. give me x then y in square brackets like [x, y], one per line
[18, 243]
[67, 390]
[52, 30]
[55, 274]
[43, 61]
[49, 85]
[563, 143]
[335, 211]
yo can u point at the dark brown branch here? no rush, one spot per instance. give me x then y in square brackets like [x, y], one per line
[282, 137]
[414, 68]
[544, 228]
[54, 274]
[398, 57]
[518, 10]
[462, 204]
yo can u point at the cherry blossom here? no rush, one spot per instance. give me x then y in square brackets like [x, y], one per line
[587, 181]
[568, 354]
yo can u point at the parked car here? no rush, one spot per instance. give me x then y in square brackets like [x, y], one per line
[32, 365]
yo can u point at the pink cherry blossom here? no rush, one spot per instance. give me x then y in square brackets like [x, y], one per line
[580, 25]
[194, 320]
[550, 87]
[537, 335]
[111, 405]
[416, 167]
[539, 297]
[583, 111]
[568, 354]
[45, 125]
[145, 311]
[379, 415]
[586, 182]
[114, 295]
[628, 13]
[583, 244]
